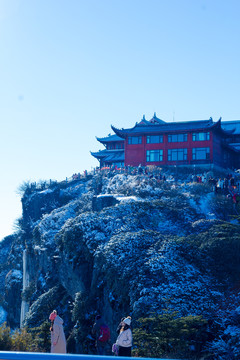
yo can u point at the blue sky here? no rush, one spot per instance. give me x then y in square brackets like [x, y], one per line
[69, 69]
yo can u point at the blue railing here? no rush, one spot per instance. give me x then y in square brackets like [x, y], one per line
[16, 355]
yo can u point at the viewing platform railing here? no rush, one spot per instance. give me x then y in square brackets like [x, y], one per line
[16, 355]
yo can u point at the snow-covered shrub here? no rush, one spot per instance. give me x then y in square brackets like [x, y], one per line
[226, 326]
[28, 291]
[223, 207]
[219, 246]
[199, 189]
[79, 306]
[162, 246]
[226, 347]
[44, 305]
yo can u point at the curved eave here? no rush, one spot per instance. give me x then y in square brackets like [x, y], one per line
[233, 147]
[105, 141]
[124, 133]
[101, 140]
[97, 155]
[121, 133]
[231, 132]
[218, 126]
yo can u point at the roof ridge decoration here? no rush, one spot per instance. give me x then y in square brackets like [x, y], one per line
[143, 121]
[155, 120]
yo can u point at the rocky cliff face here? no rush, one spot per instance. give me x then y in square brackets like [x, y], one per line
[120, 245]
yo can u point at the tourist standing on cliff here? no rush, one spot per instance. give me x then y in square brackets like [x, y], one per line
[58, 340]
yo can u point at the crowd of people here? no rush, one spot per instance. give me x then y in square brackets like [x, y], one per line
[123, 344]
[101, 333]
[228, 185]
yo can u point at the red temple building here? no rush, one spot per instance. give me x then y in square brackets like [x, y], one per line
[160, 143]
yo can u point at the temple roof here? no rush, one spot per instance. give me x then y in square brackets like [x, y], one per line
[167, 127]
[115, 156]
[99, 154]
[109, 155]
[171, 127]
[232, 125]
[109, 138]
[235, 146]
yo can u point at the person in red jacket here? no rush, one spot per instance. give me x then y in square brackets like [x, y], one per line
[102, 334]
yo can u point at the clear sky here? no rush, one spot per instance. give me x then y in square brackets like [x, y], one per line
[71, 68]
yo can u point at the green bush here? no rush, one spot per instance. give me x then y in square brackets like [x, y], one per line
[79, 307]
[167, 335]
[5, 337]
[218, 247]
[80, 339]
[41, 337]
[223, 249]
[22, 341]
[28, 291]
[36, 339]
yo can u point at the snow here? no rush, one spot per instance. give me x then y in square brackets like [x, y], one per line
[232, 331]
[16, 274]
[138, 240]
[39, 249]
[120, 197]
[3, 315]
[53, 222]
[60, 218]
[128, 198]
[45, 192]
[103, 196]
[203, 206]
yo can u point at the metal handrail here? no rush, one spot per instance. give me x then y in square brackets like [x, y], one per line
[16, 355]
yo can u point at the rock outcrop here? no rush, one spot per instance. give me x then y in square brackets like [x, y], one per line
[141, 246]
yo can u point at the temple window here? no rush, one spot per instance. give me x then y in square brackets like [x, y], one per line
[201, 153]
[154, 155]
[201, 136]
[154, 139]
[177, 137]
[177, 154]
[134, 140]
[110, 146]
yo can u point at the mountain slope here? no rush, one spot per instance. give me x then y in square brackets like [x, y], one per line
[153, 245]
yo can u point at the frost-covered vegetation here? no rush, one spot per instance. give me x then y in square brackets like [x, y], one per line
[166, 253]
